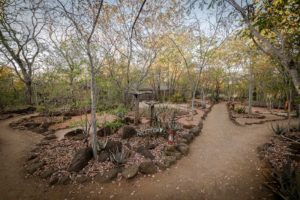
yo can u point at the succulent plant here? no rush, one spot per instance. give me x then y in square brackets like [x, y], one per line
[278, 129]
[119, 157]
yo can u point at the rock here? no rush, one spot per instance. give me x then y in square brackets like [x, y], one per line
[81, 159]
[105, 131]
[151, 146]
[161, 166]
[31, 124]
[170, 148]
[188, 126]
[148, 167]
[130, 172]
[183, 148]
[34, 167]
[128, 132]
[82, 179]
[39, 129]
[195, 131]
[103, 156]
[169, 160]
[27, 110]
[189, 137]
[32, 156]
[128, 120]
[107, 176]
[182, 140]
[46, 174]
[74, 133]
[43, 143]
[64, 180]
[113, 146]
[6, 116]
[53, 180]
[50, 137]
[145, 152]
[178, 155]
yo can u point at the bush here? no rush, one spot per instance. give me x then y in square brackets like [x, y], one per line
[114, 125]
[240, 109]
[178, 98]
[120, 111]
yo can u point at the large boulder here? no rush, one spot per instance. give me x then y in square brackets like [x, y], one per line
[50, 137]
[145, 152]
[148, 167]
[34, 167]
[169, 160]
[189, 137]
[200, 124]
[46, 174]
[107, 176]
[105, 131]
[128, 120]
[103, 156]
[130, 172]
[128, 132]
[64, 180]
[74, 133]
[183, 148]
[81, 159]
[195, 131]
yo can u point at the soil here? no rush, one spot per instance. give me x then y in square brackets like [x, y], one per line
[222, 164]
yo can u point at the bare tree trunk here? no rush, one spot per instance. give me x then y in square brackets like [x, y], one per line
[93, 112]
[28, 92]
[250, 97]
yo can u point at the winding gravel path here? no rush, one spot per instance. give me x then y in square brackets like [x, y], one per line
[222, 164]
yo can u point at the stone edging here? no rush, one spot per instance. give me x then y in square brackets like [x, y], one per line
[233, 119]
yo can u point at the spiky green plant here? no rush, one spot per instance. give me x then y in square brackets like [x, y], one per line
[278, 129]
[119, 157]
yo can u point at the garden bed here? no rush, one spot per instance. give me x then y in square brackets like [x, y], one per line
[238, 114]
[282, 159]
[125, 151]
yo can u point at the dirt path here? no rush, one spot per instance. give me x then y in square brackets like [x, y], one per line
[222, 164]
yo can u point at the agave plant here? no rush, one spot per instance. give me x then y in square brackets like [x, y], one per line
[278, 129]
[101, 145]
[119, 157]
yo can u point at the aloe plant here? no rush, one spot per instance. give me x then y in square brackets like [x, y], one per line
[278, 129]
[119, 157]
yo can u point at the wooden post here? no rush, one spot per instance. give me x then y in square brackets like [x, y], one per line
[151, 108]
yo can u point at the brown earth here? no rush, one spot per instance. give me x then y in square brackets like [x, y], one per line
[222, 164]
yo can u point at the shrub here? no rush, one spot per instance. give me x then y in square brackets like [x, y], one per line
[114, 125]
[178, 98]
[120, 111]
[240, 109]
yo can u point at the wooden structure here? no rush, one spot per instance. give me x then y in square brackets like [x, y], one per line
[151, 108]
[136, 96]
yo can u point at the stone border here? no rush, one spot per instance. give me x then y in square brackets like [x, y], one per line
[233, 119]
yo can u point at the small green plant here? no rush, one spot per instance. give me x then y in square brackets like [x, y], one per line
[178, 98]
[114, 125]
[240, 110]
[278, 129]
[119, 157]
[120, 111]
